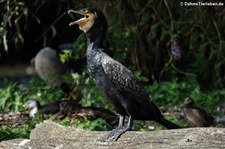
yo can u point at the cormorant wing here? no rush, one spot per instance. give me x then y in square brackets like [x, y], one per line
[124, 79]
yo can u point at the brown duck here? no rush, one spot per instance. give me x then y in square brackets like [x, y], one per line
[198, 116]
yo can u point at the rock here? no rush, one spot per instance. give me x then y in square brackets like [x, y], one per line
[50, 135]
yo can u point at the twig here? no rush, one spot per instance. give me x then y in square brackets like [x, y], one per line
[143, 9]
[182, 72]
[176, 69]
[219, 36]
[28, 24]
[56, 20]
[167, 65]
[170, 14]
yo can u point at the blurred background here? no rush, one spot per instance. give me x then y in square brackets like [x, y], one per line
[176, 51]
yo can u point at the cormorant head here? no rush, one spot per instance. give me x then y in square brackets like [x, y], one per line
[93, 23]
[188, 101]
[33, 103]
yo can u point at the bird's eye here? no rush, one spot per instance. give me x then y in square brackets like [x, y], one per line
[86, 16]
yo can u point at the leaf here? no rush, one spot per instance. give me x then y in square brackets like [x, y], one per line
[5, 41]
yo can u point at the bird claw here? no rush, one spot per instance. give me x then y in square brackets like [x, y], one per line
[114, 134]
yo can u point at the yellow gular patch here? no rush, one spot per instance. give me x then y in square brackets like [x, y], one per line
[87, 21]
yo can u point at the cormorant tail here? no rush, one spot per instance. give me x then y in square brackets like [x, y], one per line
[168, 124]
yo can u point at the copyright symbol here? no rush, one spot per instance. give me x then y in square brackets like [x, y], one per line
[181, 3]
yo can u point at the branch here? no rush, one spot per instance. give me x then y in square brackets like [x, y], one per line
[51, 135]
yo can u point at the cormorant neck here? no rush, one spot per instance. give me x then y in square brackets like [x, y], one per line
[96, 36]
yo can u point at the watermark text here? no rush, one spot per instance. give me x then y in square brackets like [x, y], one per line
[201, 3]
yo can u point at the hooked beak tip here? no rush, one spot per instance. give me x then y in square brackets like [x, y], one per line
[70, 24]
[73, 11]
[69, 11]
[77, 12]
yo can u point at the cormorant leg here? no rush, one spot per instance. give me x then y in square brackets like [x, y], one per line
[121, 125]
[116, 133]
[122, 130]
[121, 121]
[110, 134]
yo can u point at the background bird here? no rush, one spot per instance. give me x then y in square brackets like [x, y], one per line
[48, 66]
[34, 107]
[47, 62]
[198, 116]
[221, 108]
[73, 110]
[123, 90]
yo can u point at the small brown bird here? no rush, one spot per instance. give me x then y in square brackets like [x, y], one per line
[198, 116]
[73, 110]
[68, 107]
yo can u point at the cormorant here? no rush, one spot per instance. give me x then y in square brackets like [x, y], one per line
[48, 66]
[34, 106]
[123, 90]
[198, 116]
[47, 62]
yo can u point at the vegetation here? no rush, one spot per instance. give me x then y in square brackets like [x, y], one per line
[142, 38]
[175, 51]
[165, 94]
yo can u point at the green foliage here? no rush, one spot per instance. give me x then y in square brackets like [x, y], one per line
[12, 13]
[97, 124]
[142, 36]
[91, 95]
[141, 77]
[141, 39]
[13, 97]
[41, 91]
[173, 93]
[79, 48]
[164, 94]
[11, 132]
[65, 57]
[65, 121]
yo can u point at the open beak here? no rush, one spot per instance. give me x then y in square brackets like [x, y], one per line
[86, 22]
[80, 21]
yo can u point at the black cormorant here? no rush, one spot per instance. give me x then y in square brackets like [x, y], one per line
[34, 106]
[123, 90]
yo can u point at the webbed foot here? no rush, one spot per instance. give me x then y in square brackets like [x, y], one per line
[115, 134]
